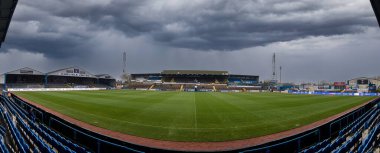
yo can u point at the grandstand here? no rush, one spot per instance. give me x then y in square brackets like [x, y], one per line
[72, 77]
[194, 80]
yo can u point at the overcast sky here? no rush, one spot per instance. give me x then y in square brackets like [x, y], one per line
[330, 40]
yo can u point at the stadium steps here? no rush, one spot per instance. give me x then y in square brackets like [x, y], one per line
[32, 136]
[58, 141]
[41, 139]
[181, 89]
[368, 141]
[22, 146]
[349, 137]
[151, 87]
[352, 141]
[11, 144]
[3, 147]
[19, 141]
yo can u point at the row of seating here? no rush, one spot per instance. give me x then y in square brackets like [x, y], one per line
[57, 141]
[317, 146]
[22, 146]
[354, 129]
[54, 142]
[11, 138]
[346, 146]
[370, 120]
[29, 133]
[368, 141]
[34, 138]
[357, 123]
[340, 143]
[63, 140]
[3, 148]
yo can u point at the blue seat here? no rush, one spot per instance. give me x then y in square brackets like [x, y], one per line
[312, 148]
[3, 147]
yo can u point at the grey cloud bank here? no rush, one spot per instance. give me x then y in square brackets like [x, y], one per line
[313, 38]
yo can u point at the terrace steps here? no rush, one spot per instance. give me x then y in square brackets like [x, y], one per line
[151, 87]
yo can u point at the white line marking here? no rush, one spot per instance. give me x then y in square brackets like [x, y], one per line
[195, 113]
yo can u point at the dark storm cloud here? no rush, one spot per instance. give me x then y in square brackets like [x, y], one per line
[225, 25]
[313, 39]
[220, 25]
[35, 30]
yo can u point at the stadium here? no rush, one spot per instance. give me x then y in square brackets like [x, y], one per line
[73, 110]
[176, 110]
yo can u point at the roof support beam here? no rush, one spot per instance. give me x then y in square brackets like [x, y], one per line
[376, 9]
[4, 18]
[7, 19]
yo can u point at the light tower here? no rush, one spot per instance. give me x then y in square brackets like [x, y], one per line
[280, 74]
[124, 62]
[125, 75]
[274, 67]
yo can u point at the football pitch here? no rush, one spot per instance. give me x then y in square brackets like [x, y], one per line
[193, 116]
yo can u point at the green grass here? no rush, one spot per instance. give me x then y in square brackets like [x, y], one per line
[189, 116]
